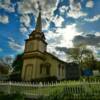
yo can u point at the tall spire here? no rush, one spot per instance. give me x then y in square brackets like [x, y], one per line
[38, 23]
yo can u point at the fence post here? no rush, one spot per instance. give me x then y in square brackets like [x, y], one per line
[9, 87]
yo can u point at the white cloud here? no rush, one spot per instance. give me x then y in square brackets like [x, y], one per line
[14, 45]
[75, 10]
[68, 33]
[23, 29]
[60, 55]
[25, 19]
[11, 39]
[51, 48]
[63, 9]
[65, 36]
[96, 51]
[1, 49]
[49, 35]
[75, 6]
[48, 7]
[4, 19]
[31, 6]
[6, 5]
[26, 7]
[75, 14]
[58, 20]
[7, 8]
[89, 4]
[95, 18]
[6, 1]
[8, 59]
[97, 33]
[45, 24]
[62, 37]
[24, 23]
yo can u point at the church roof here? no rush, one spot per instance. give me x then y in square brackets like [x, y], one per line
[49, 54]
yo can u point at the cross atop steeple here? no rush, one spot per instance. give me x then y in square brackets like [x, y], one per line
[39, 6]
[38, 23]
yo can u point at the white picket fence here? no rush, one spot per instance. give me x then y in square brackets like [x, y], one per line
[31, 89]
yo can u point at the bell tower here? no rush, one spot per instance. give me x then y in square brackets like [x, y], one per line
[36, 41]
[34, 52]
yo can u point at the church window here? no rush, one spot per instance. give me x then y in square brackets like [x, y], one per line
[48, 70]
[47, 65]
[41, 68]
[59, 69]
[62, 69]
[28, 71]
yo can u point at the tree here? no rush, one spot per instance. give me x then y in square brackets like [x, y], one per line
[83, 56]
[18, 63]
[73, 54]
[89, 60]
[5, 64]
[4, 69]
[97, 67]
[17, 68]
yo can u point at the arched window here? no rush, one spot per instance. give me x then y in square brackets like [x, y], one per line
[41, 68]
[60, 69]
[59, 66]
[28, 72]
[47, 69]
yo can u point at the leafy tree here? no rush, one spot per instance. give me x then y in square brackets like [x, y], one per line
[17, 67]
[89, 61]
[83, 56]
[3, 69]
[97, 67]
[73, 54]
[18, 63]
[5, 65]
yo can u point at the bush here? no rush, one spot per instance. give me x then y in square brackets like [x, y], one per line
[46, 79]
[15, 96]
[15, 77]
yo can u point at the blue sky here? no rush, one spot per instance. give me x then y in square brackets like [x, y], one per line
[66, 23]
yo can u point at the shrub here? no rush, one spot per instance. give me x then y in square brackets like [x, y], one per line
[46, 79]
[15, 96]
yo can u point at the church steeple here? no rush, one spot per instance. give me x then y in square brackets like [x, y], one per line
[37, 38]
[38, 23]
[38, 28]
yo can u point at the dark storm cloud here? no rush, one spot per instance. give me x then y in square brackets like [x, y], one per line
[67, 51]
[91, 40]
[62, 49]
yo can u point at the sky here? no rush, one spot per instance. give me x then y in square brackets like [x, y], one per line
[65, 23]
